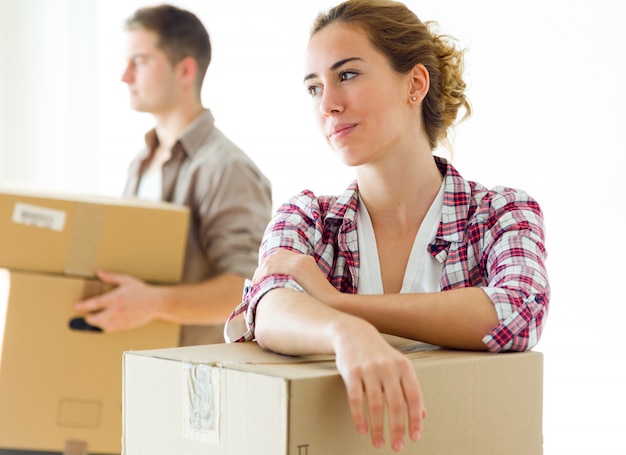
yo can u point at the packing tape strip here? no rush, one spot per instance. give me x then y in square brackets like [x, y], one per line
[201, 402]
[85, 237]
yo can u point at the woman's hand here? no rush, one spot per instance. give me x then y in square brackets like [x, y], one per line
[300, 267]
[378, 377]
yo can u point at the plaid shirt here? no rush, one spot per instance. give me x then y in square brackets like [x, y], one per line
[493, 239]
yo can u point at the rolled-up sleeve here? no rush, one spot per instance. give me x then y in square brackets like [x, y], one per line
[517, 280]
[293, 227]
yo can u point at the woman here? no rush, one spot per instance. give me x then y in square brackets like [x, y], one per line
[410, 248]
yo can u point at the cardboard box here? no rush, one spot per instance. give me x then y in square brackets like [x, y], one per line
[238, 399]
[76, 235]
[59, 384]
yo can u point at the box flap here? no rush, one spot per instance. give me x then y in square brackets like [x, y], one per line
[249, 356]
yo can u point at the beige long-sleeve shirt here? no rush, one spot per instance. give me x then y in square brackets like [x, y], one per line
[229, 200]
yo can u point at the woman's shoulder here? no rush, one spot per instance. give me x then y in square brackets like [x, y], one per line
[478, 198]
[502, 209]
[308, 204]
[500, 198]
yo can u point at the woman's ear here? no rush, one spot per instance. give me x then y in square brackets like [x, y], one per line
[419, 84]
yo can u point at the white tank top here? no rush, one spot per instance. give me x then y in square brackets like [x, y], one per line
[423, 272]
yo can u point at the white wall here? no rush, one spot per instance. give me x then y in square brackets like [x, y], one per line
[545, 79]
[48, 74]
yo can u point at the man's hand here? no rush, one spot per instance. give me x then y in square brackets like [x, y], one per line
[131, 304]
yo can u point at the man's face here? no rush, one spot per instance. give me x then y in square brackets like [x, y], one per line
[150, 76]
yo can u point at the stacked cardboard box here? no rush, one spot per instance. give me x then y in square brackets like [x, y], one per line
[59, 381]
[238, 399]
[76, 235]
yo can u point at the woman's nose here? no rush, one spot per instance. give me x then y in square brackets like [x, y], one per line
[331, 102]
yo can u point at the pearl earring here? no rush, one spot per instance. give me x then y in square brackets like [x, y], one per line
[414, 98]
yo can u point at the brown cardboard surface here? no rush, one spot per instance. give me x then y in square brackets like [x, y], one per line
[57, 384]
[76, 235]
[247, 400]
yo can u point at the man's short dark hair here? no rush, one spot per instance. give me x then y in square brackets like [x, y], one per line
[180, 34]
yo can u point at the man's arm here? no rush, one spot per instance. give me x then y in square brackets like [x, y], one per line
[134, 303]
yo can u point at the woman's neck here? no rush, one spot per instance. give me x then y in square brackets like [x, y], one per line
[401, 192]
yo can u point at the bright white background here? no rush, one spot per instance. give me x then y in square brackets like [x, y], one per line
[546, 80]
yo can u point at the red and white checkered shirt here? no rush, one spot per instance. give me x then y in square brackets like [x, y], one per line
[493, 239]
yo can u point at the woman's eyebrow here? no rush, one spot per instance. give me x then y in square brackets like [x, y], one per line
[333, 67]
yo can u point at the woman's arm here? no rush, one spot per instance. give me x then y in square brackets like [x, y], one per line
[377, 376]
[457, 318]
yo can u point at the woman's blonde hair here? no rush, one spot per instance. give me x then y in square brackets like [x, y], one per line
[397, 32]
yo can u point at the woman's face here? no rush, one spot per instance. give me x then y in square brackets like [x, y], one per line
[360, 102]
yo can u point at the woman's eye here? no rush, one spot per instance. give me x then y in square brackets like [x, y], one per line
[347, 75]
[313, 90]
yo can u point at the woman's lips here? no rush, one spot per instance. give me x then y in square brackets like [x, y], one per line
[340, 131]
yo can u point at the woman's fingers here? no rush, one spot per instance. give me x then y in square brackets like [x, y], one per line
[386, 393]
[415, 407]
[376, 413]
[397, 413]
[356, 401]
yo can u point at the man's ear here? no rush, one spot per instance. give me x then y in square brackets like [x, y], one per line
[419, 84]
[188, 69]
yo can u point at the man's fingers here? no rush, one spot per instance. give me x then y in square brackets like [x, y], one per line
[90, 305]
[111, 278]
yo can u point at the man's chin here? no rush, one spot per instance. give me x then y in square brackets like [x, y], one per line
[138, 107]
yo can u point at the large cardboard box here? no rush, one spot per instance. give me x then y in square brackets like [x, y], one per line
[237, 399]
[76, 235]
[58, 384]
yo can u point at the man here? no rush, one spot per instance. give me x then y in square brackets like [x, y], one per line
[187, 160]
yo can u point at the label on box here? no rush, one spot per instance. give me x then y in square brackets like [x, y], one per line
[201, 402]
[41, 217]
